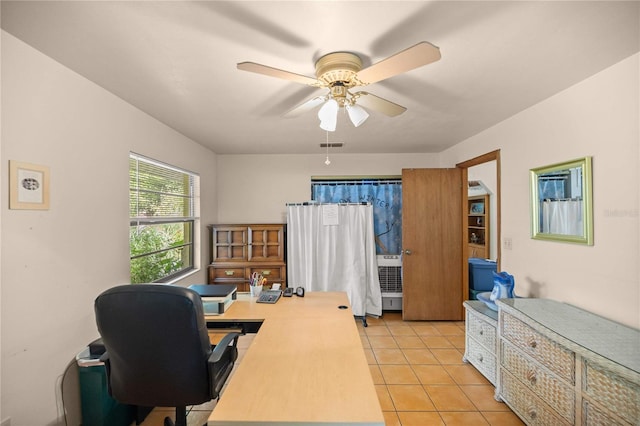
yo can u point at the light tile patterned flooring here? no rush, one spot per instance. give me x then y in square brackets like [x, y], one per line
[418, 373]
[420, 378]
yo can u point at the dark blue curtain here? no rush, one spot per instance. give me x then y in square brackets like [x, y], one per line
[386, 198]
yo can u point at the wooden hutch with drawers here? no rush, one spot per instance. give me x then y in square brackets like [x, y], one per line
[239, 250]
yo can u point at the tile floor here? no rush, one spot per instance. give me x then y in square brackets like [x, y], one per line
[419, 376]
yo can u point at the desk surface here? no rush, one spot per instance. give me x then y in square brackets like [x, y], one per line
[305, 366]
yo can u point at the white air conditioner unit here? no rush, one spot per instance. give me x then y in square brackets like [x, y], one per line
[390, 275]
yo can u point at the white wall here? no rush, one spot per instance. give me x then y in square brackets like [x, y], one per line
[55, 262]
[597, 117]
[256, 188]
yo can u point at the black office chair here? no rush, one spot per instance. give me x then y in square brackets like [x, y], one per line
[157, 348]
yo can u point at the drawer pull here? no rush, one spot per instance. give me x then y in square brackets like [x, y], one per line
[480, 358]
[228, 273]
[532, 342]
[532, 413]
[531, 376]
[481, 332]
[267, 272]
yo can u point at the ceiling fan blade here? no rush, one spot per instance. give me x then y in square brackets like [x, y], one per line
[416, 56]
[376, 103]
[305, 107]
[274, 72]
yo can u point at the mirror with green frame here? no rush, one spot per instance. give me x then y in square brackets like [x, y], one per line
[561, 204]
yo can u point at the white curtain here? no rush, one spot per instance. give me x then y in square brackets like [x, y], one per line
[563, 217]
[331, 247]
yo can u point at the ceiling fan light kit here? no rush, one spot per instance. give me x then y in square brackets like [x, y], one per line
[328, 115]
[357, 114]
[341, 71]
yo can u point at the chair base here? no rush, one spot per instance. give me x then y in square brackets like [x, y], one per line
[181, 418]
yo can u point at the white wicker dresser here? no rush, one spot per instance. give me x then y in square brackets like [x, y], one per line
[561, 365]
[481, 338]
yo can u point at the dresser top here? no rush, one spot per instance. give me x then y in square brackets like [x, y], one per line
[609, 339]
[481, 308]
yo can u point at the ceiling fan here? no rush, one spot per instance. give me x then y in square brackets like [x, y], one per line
[341, 71]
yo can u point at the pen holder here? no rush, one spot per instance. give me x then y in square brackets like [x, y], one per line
[255, 290]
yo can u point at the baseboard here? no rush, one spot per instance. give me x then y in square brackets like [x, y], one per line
[6, 422]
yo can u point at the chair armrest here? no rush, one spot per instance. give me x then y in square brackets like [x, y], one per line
[221, 363]
[220, 348]
[104, 358]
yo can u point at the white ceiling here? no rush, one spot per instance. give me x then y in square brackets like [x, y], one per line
[176, 60]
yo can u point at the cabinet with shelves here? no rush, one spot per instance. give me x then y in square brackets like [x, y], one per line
[238, 250]
[478, 226]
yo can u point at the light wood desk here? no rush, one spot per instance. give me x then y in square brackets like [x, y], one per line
[305, 366]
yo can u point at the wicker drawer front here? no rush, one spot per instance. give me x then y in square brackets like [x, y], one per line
[540, 381]
[550, 354]
[481, 331]
[482, 359]
[612, 391]
[593, 416]
[527, 406]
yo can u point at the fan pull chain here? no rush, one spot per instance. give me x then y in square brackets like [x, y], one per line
[327, 161]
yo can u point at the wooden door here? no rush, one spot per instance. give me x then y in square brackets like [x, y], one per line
[432, 244]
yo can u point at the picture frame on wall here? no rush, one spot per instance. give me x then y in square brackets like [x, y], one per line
[477, 208]
[28, 186]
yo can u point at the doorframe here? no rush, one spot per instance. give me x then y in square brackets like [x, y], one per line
[481, 159]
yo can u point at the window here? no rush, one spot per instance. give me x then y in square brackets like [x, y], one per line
[163, 217]
[385, 194]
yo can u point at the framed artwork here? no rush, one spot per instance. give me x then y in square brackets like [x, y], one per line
[477, 208]
[561, 202]
[28, 186]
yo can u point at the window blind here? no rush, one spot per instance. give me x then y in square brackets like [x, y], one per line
[159, 192]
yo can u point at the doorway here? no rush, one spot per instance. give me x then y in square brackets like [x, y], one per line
[495, 238]
[432, 253]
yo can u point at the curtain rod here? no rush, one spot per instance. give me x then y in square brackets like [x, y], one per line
[329, 204]
[357, 182]
[358, 177]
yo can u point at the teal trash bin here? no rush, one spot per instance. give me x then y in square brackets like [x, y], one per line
[473, 294]
[98, 408]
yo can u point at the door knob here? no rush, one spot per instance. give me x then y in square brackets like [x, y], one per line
[407, 252]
